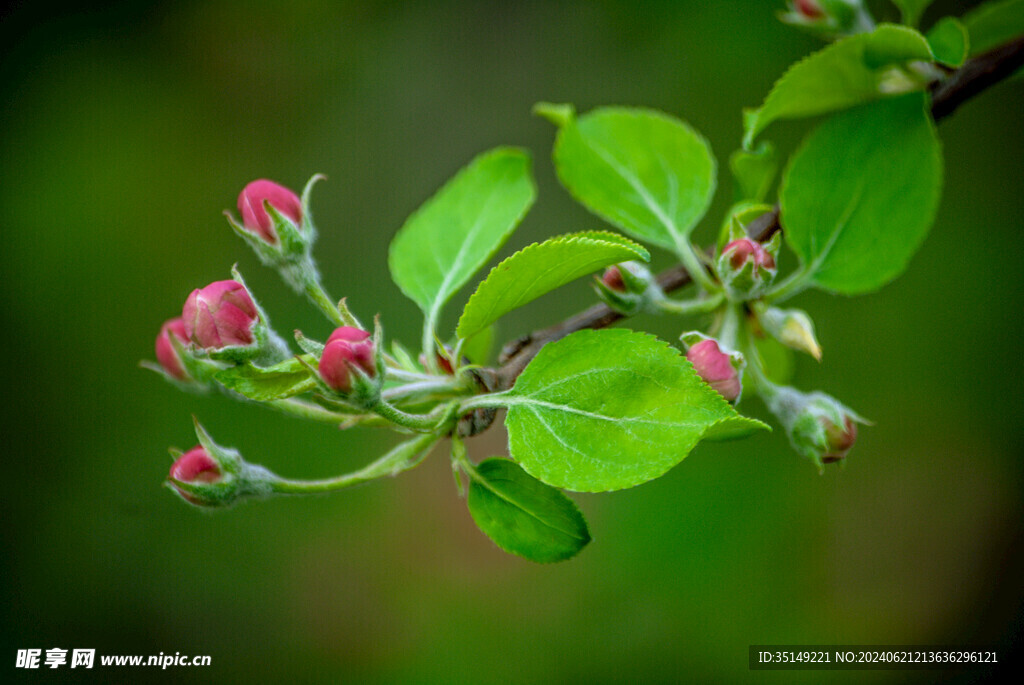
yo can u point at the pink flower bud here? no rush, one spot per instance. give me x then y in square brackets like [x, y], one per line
[613, 279]
[165, 353]
[220, 315]
[838, 440]
[254, 214]
[195, 466]
[809, 9]
[716, 368]
[347, 347]
[743, 250]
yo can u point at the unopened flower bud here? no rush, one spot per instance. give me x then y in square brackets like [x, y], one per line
[347, 349]
[716, 368]
[838, 440]
[254, 214]
[165, 352]
[220, 315]
[613, 279]
[745, 267]
[819, 426]
[791, 327]
[809, 9]
[195, 466]
[629, 288]
[828, 18]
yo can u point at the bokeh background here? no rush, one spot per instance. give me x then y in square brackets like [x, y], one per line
[126, 128]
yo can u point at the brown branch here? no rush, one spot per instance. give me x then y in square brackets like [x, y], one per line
[976, 74]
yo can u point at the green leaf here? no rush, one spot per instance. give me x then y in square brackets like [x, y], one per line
[539, 269]
[847, 73]
[861, 193]
[948, 40]
[994, 23]
[477, 348]
[610, 409]
[286, 379]
[459, 229]
[523, 516]
[911, 10]
[639, 169]
[754, 172]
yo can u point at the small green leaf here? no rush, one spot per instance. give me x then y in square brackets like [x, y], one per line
[539, 269]
[994, 23]
[277, 382]
[949, 40]
[455, 232]
[639, 169]
[911, 10]
[861, 193]
[610, 409]
[523, 516]
[847, 73]
[754, 172]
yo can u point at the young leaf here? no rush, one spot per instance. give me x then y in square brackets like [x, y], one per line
[641, 170]
[861, 193]
[455, 232]
[610, 409]
[754, 172]
[522, 515]
[844, 74]
[540, 268]
[911, 10]
[477, 348]
[276, 382]
[994, 23]
[948, 40]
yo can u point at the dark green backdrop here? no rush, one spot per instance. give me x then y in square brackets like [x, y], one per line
[126, 129]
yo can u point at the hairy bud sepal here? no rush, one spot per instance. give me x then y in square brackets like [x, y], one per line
[629, 288]
[819, 426]
[211, 476]
[791, 327]
[719, 367]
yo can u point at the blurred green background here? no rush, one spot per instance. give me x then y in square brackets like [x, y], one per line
[128, 127]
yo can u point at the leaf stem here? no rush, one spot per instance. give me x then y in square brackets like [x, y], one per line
[403, 457]
[337, 313]
[694, 266]
[688, 307]
[429, 423]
